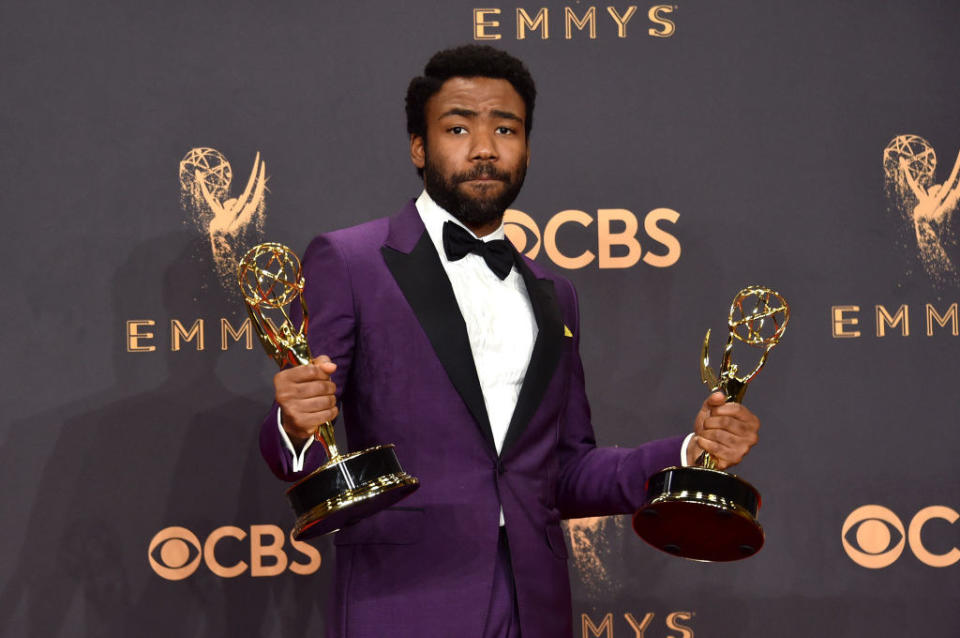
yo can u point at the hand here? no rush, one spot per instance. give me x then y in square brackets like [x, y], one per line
[307, 397]
[726, 431]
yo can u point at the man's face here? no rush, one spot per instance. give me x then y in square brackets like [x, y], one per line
[475, 156]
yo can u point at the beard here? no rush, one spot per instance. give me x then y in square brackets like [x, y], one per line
[473, 211]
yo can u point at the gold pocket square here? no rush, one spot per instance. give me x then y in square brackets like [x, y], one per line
[566, 331]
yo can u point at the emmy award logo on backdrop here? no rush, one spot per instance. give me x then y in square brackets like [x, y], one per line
[348, 487]
[232, 224]
[929, 210]
[700, 512]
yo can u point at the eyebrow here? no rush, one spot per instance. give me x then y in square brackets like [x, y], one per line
[504, 115]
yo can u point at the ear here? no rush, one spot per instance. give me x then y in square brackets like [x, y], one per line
[417, 154]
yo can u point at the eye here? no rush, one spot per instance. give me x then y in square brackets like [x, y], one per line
[457, 130]
[505, 130]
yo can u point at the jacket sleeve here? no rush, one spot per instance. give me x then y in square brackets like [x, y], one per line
[600, 481]
[328, 293]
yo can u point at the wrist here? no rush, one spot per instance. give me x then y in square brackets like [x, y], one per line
[693, 450]
[297, 442]
[297, 438]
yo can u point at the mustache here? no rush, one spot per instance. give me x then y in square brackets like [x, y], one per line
[482, 171]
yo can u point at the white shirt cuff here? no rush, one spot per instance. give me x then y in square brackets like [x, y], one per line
[297, 464]
[683, 450]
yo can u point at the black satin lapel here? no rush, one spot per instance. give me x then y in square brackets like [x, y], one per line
[546, 352]
[427, 289]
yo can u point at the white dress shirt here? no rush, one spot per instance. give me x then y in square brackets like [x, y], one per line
[500, 321]
[500, 324]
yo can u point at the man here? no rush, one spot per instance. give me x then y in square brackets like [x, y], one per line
[465, 355]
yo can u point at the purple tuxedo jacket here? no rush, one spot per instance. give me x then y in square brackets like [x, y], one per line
[383, 309]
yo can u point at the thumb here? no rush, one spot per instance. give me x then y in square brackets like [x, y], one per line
[324, 363]
[715, 399]
[702, 414]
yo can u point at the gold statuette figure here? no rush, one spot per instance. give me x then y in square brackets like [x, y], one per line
[700, 512]
[347, 487]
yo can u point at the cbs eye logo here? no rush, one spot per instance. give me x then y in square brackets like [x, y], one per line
[175, 552]
[874, 537]
[170, 553]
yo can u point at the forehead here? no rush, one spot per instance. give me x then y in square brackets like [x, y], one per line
[476, 94]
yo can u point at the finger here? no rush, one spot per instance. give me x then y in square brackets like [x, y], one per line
[733, 409]
[723, 455]
[739, 444]
[315, 404]
[740, 427]
[712, 448]
[310, 389]
[729, 432]
[307, 423]
[724, 438]
[295, 425]
[296, 374]
[288, 393]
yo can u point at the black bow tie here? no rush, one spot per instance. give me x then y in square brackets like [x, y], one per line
[458, 243]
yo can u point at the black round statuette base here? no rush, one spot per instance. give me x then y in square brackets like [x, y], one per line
[347, 489]
[700, 514]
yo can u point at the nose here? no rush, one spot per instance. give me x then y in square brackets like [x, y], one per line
[484, 146]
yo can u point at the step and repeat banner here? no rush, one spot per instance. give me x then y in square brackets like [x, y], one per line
[681, 152]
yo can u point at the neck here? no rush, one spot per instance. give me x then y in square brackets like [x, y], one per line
[453, 205]
[485, 229]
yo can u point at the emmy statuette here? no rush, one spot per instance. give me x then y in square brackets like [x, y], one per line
[699, 512]
[348, 487]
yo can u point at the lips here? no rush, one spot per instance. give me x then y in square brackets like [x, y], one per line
[483, 174]
[484, 177]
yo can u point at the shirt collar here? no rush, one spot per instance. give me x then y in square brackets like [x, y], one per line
[434, 217]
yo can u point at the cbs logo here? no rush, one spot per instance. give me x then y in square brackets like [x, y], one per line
[874, 537]
[616, 232]
[175, 552]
